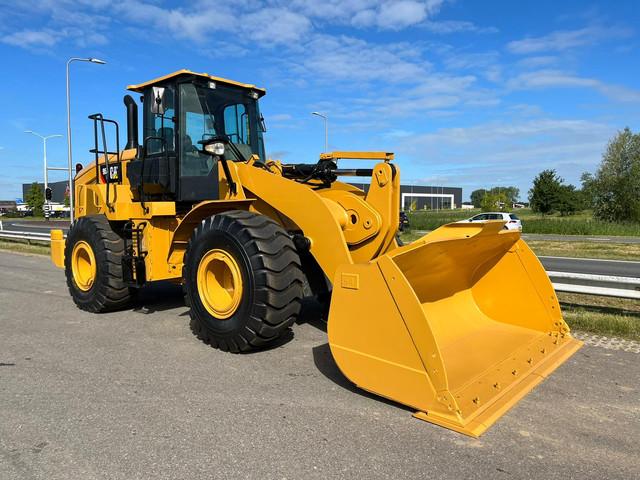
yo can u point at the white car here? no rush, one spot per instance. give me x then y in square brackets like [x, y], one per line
[513, 222]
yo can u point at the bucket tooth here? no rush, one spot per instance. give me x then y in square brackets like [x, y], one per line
[425, 325]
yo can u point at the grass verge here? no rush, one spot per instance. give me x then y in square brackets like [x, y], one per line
[573, 249]
[604, 250]
[607, 316]
[579, 224]
[25, 248]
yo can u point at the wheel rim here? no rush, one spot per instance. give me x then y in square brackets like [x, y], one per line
[83, 266]
[219, 283]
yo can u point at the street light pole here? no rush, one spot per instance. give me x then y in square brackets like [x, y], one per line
[326, 129]
[46, 169]
[69, 155]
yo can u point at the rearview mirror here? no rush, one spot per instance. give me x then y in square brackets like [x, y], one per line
[157, 106]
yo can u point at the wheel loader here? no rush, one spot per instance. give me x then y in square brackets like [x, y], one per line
[199, 203]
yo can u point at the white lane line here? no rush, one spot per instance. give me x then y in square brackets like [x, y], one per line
[592, 259]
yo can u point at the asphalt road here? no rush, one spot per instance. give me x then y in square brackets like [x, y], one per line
[134, 394]
[37, 226]
[596, 267]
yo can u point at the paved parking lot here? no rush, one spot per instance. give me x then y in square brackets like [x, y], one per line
[134, 394]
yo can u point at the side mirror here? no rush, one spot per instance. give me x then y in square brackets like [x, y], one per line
[157, 106]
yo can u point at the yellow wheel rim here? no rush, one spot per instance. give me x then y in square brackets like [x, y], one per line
[219, 283]
[83, 266]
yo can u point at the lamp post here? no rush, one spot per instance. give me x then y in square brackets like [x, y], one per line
[69, 155]
[326, 130]
[46, 169]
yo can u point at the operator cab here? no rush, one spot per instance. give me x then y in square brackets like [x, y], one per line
[180, 111]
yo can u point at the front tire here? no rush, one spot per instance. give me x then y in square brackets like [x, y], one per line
[93, 266]
[243, 281]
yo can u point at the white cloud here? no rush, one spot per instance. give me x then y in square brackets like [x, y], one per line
[465, 61]
[64, 20]
[508, 152]
[356, 61]
[566, 39]
[538, 61]
[397, 15]
[456, 26]
[385, 14]
[275, 25]
[558, 79]
[33, 38]
[279, 117]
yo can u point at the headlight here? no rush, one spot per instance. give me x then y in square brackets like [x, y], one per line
[215, 148]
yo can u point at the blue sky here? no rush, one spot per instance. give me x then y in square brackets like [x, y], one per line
[467, 93]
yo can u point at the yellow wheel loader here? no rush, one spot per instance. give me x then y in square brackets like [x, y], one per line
[198, 203]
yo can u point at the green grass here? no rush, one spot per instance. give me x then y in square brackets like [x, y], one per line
[573, 249]
[578, 224]
[21, 247]
[599, 323]
[607, 251]
[607, 316]
[575, 226]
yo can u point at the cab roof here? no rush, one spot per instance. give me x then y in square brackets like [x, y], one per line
[184, 72]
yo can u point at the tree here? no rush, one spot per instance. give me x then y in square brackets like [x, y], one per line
[568, 200]
[510, 193]
[588, 192]
[35, 199]
[495, 201]
[616, 184]
[477, 196]
[545, 194]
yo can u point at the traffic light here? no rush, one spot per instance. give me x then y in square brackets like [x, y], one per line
[47, 193]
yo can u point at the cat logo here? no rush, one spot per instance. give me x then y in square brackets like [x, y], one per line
[114, 171]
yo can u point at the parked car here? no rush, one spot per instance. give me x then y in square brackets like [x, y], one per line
[513, 222]
[404, 221]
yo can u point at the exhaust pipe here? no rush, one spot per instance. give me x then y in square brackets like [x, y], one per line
[132, 122]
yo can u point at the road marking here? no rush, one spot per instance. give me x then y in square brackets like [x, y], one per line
[591, 259]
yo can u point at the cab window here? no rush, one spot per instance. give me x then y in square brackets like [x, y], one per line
[236, 123]
[160, 125]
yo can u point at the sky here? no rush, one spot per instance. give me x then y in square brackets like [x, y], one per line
[466, 93]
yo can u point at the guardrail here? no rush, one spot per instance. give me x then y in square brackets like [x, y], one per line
[28, 236]
[588, 284]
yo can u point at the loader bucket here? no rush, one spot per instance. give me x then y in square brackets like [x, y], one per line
[458, 325]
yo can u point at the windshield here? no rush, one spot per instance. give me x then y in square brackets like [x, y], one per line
[207, 112]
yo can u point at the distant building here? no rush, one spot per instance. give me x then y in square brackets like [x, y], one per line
[8, 206]
[467, 206]
[423, 197]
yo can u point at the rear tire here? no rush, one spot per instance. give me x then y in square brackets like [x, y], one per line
[98, 286]
[243, 281]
